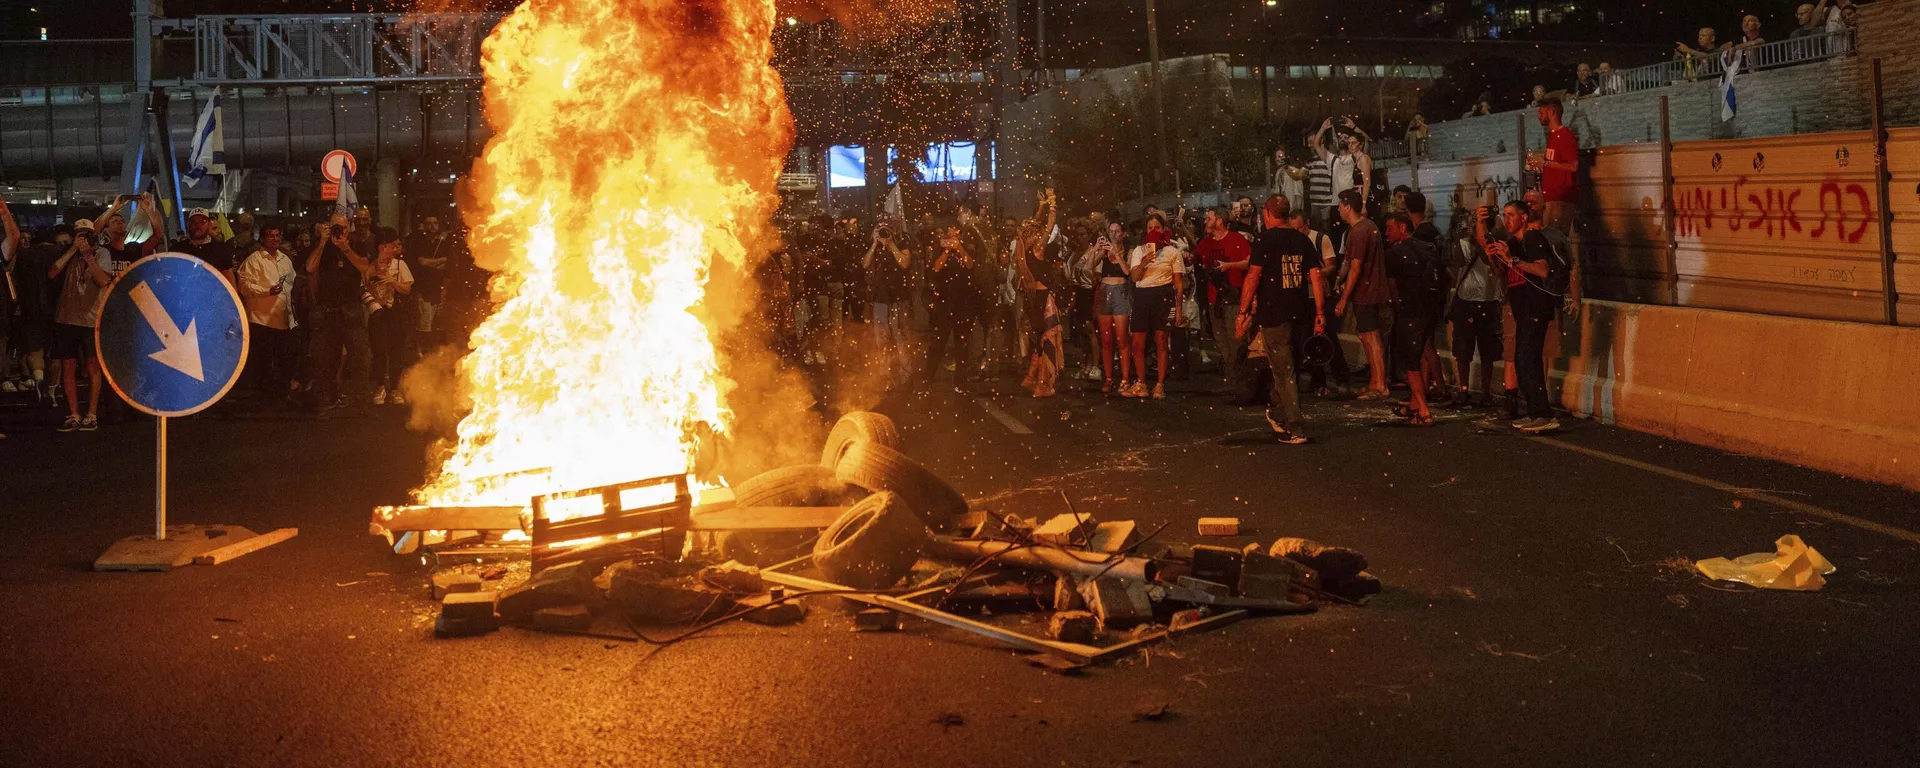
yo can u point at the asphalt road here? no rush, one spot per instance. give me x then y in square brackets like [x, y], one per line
[1539, 610]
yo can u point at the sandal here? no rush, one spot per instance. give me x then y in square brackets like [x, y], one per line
[1372, 394]
[1403, 411]
[1159, 391]
[1420, 420]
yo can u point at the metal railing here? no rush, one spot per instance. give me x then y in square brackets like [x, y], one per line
[337, 48]
[1779, 53]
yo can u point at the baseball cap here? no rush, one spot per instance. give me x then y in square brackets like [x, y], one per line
[86, 224]
[199, 212]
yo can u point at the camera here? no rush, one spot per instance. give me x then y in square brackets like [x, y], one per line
[336, 231]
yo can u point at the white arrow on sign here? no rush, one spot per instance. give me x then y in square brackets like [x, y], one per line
[179, 350]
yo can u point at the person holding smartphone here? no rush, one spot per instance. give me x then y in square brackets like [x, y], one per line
[1536, 282]
[339, 316]
[1113, 305]
[387, 286]
[885, 264]
[83, 273]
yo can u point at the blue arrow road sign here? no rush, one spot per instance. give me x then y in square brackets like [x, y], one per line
[172, 335]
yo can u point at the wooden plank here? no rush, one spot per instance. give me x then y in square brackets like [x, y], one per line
[426, 518]
[764, 518]
[183, 543]
[1073, 651]
[238, 548]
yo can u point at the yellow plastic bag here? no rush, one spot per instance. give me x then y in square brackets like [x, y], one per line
[1794, 565]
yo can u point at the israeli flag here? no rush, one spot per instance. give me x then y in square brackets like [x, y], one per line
[349, 200]
[209, 157]
[1729, 66]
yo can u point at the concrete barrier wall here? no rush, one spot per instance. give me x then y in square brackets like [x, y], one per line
[1824, 394]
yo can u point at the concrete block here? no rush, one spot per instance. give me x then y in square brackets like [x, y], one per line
[1219, 526]
[448, 582]
[467, 605]
[1065, 530]
[1073, 626]
[1117, 603]
[1114, 537]
[1218, 564]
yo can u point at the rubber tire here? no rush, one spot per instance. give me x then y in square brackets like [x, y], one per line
[877, 467]
[801, 485]
[858, 425]
[873, 545]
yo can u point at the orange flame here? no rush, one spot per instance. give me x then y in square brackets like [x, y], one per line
[636, 146]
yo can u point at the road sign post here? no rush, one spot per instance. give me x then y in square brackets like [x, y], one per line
[173, 339]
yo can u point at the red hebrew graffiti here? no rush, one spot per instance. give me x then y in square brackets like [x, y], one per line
[1771, 211]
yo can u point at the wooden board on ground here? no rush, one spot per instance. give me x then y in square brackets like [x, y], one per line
[220, 555]
[182, 545]
[427, 518]
[764, 518]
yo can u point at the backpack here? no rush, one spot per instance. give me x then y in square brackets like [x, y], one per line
[1556, 282]
[1423, 270]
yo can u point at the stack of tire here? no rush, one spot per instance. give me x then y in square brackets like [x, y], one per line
[894, 501]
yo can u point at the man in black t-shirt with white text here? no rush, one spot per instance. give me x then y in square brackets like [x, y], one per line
[1283, 273]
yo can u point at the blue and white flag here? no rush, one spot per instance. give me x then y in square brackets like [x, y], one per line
[1730, 63]
[349, 200]
[209, 157]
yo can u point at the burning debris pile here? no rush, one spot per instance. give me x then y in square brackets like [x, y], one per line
[868, 528]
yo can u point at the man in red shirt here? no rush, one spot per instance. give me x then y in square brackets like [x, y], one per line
[1224, 253]
[1558, 168]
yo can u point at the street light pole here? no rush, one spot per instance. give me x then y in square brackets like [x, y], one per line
[1153, 74]
[1266, 51]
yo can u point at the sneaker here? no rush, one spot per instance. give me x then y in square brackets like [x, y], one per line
[396, 399]
[1526, 424]
[1284, 435]
[380, 397]
[9, 386]
[1090, 373]
[89, 424]
[1541, 426]
[72, 423]
[1159, 391]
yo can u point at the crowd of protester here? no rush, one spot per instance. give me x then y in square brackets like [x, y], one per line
[1824, 24]
[337, 308]
[1256, 293]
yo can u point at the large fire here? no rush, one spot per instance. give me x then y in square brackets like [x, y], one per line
[636, 146]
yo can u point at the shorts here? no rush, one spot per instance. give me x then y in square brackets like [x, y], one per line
[71, 342]
[1081, 312]
[1151, 308]
[1412, 332]
[1116, 299]
[1372, 318]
